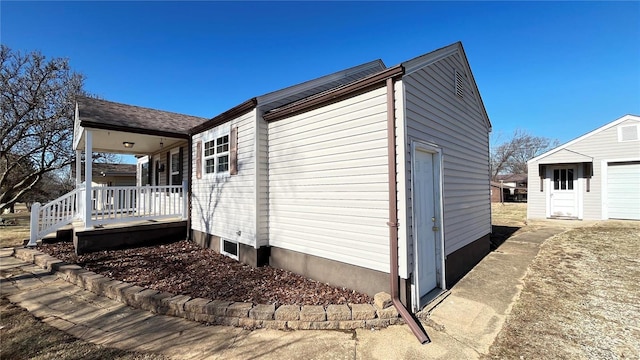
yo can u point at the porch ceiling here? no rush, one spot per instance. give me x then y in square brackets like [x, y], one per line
[111, 141]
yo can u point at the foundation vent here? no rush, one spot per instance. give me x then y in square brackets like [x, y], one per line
[229, 248]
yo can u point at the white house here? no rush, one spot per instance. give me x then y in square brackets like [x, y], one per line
[371, 178]
[332, 177]
[596, 176]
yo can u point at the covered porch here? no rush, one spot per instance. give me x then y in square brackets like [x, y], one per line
[158, 139]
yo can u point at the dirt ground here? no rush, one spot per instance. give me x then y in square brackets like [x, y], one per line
[14, 233]
[581, 298]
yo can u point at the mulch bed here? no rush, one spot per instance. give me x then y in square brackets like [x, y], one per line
[185, 268]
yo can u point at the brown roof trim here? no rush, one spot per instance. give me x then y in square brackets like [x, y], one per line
[234, 112]
[335, 94]
[112, 127]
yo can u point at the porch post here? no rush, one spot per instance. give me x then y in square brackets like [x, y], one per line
[78, 167]
[185, 201]
[88, 160]
[78, 211]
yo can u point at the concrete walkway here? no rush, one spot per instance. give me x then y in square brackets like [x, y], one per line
[462, 326]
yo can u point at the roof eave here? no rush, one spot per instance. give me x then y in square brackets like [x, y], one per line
[102, 126]
[335, 94]
[302, 87]
[230, 114]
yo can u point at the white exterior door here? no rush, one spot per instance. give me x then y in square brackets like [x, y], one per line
[424, 212]
[623, 191]
[563, 196]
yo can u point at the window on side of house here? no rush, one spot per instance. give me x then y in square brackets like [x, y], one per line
[175, 167]
[144, 171]
[216, 154]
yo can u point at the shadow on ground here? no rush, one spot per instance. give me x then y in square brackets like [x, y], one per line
[500, 234]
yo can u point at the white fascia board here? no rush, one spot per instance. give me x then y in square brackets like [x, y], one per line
[77, 129]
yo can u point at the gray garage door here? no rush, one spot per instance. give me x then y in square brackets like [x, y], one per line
[623, 190]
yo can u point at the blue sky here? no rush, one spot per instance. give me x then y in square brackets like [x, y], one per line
[555, 69]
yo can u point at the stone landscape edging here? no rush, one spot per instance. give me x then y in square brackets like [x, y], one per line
[219, 312]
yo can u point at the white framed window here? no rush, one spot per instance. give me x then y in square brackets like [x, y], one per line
[216, 153]
[563, 179]
[229, 248]
[174, 167]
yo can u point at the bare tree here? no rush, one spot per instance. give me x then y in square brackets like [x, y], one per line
[511, 156]
[37, 105]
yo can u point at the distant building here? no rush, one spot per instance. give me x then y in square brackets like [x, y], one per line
[497, 188]
[107, 174]
[517, 185]
[594, 177]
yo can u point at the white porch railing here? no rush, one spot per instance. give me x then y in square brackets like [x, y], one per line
[54, 215]
[109, 204]
[113, 204]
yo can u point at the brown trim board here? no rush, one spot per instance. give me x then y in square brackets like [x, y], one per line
[234, 112]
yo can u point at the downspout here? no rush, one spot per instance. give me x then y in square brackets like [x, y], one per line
[189, 181]
[416, 328]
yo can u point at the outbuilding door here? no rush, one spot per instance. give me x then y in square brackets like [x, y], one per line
[623, 190]
[425, 222]
[563, 196]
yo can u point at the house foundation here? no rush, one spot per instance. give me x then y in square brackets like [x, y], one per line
[118, 237]
[461, 261]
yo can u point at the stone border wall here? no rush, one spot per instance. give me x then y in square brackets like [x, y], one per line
[217, 312]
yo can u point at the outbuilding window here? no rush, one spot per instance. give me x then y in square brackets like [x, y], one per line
[563, 179]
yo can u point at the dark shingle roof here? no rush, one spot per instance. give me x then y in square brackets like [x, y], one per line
[108, 169]
[320, 85]
[111, 115]
[512, 177]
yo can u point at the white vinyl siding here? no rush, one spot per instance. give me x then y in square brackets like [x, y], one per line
[328, 188]
[536, 199]
[601, 147]
[262, 190]
[160, 159]
[224, 206]
[436, 115]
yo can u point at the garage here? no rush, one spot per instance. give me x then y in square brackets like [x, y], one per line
[623, 190]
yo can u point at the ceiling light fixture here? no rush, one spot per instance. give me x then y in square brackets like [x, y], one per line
[128, 144]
